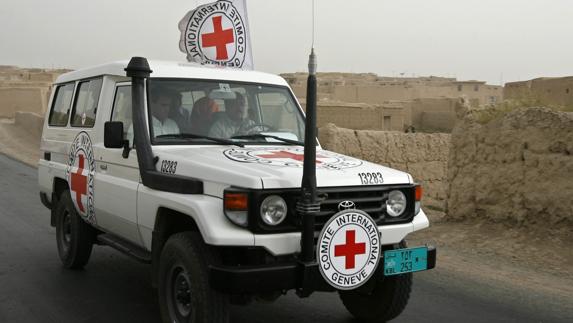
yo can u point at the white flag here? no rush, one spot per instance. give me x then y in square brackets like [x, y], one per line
[217, 33]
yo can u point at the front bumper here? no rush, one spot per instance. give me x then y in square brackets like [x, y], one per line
[279, 277]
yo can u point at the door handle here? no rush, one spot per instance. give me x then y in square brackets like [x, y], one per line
[103, 166]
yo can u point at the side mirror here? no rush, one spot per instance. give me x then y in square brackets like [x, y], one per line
[113, 134]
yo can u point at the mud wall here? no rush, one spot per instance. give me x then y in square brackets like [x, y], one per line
[433, 114]
[545, 91]
[360, 116]
[518, 168]
[372, 89]
[22, 99]
[424, 156]
[30, 122]
[25, 89]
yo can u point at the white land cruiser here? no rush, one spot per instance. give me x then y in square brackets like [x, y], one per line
[203, 173]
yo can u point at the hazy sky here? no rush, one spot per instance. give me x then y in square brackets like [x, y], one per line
[490, 40]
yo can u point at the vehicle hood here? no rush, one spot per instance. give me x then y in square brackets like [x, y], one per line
[269, 167]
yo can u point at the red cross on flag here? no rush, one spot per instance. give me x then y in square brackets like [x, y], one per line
[217, 33]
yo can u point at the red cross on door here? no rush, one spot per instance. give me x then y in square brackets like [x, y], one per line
[350, 249]
[289, 155]
[219, 38]
[79, 183]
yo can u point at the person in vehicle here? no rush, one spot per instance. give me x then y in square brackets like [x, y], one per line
[161, 102]
[180, 115]
[234, 121]
[202, 115]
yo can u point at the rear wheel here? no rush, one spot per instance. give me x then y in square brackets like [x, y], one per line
[184, 291]
[385, 302]
[73, 235]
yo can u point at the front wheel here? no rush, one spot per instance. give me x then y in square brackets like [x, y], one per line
[184, 291]
[388, 299]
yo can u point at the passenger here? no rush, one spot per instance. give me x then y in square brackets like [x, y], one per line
[234, 121]
[180, 115]
[161, 103]
[202, 115]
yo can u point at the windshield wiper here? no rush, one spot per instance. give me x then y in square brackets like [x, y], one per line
[260, 135]
[194, 136]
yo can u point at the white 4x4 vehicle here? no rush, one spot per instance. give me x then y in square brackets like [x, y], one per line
[198, 171]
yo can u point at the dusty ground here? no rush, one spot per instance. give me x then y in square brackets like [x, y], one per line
[503, 258]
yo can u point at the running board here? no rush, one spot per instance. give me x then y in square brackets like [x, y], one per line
[125, 247]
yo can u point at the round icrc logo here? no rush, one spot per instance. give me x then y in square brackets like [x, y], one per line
[348, 249]
[290, 157]
[215, 33]
[80, 176]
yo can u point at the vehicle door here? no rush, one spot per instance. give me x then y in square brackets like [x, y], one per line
[117, 177]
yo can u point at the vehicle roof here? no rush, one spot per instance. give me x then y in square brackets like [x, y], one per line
[176, 70]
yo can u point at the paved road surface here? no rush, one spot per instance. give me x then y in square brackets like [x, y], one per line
[114, 288]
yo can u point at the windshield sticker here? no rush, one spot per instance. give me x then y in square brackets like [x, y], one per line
[224, 87]
[290, 157]
[80, 176]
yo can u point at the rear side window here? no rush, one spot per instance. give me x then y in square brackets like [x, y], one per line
[61, 105]
[85, 106]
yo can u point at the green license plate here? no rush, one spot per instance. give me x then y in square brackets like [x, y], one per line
[400, 261]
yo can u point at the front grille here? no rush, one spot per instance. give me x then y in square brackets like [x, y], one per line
[371, 199]
[371, 202]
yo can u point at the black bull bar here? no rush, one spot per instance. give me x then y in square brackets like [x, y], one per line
[280, 277]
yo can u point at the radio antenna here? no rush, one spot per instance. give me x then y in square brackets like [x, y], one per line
[313, 18]
[309, 203]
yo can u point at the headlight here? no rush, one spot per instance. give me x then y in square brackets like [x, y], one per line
[396, 203]
[273, 210]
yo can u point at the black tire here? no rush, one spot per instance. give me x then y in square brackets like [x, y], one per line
[73, 235]
[184, 291]
[388, 299]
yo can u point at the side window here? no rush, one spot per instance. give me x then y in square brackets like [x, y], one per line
[122, 109]
[85, 105]
[61, 105]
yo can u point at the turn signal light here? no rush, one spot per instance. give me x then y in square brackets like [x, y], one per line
[419, 192]
[418, 199]
[236, 201]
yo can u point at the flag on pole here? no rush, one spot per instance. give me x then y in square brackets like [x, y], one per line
[217, 33]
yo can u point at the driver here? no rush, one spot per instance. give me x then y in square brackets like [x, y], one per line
[234, 121]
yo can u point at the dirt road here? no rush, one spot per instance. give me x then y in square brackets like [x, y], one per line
[472, 283]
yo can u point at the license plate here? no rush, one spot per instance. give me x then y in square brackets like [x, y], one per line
[400, 261]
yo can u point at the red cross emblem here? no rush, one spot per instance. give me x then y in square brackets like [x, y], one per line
[350, 250]
[219, 38]
[289, 155]
[80, 183]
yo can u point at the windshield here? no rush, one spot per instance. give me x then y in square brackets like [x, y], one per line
[198, 111]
